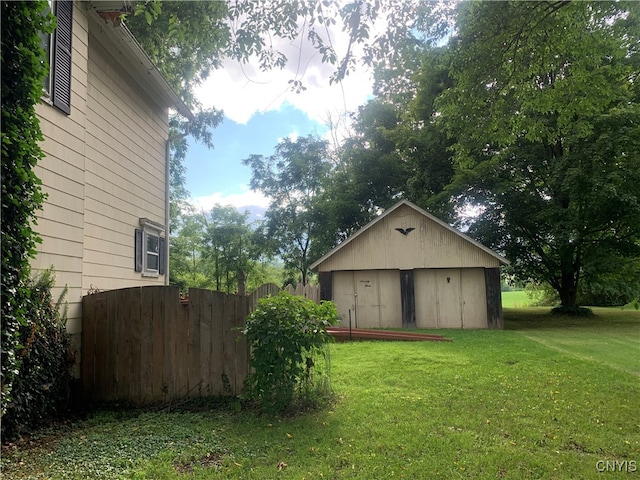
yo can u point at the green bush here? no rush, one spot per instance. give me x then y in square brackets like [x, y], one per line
[23, 71]
[41, 384]
[289, 359]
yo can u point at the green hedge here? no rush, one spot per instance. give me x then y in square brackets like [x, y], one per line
[23, 71]
[41, 387]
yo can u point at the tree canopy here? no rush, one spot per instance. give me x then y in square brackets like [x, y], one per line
[544, 117]
[515, 120]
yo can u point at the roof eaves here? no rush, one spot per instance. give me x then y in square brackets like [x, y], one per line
[134, 56]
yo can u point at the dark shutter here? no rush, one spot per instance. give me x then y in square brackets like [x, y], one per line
[61, 81]
[138, 250]
[162, 254]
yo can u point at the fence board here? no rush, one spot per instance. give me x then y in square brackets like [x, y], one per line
[158, 315]
[88, 336]
[194, 380]
[169, 360]
[266, 290]
[100, 374]
[141, 344]
[217, 353]
[241, 347]
[228, 347]
[110, 389]
[146, 345]
[203, 309]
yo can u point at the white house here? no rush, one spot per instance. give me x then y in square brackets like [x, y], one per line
[104, 117]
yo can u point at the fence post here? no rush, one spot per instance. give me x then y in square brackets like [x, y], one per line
[242, 285]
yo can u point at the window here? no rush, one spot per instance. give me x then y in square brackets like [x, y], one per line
[150, 248]
[57, 47]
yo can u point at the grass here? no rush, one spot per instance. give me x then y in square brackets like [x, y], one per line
[515, 299]
[548, 398]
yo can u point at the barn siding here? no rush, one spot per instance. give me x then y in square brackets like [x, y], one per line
[430, 245]
[493, 298]
[407, 294]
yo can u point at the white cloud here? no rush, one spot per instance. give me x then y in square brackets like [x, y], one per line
[244, 200]
[242, 90]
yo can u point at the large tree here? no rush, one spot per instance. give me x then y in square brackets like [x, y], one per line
[293, 178]
[544, 113]
[187, 40]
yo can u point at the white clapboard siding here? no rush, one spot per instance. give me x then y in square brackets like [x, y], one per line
[125, 171]
[60, 222]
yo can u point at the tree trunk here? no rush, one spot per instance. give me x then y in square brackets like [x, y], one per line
[569, 286]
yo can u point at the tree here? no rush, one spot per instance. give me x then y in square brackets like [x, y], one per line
[423, 142]
[187, 40]
[229, 246]
[293, 178]
[212, 247]
[187, 263]
[544, 114]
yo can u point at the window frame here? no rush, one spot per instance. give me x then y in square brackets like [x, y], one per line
[149, 229]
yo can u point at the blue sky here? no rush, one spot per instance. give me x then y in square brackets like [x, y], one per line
[218, 174]
[260, 110]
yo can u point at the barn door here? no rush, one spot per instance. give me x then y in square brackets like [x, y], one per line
[343, 291]
[449, 298]
[367, 299]
[474, 298]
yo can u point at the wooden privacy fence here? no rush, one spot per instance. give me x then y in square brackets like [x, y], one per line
[312, 292]
[144, 345]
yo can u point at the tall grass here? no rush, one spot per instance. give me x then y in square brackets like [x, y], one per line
[549, 397]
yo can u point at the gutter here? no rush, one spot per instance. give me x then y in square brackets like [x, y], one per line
[132, 57]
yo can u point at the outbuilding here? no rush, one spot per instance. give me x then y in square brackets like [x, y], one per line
[409, 269]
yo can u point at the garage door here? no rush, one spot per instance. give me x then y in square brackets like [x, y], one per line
[372, 297]
[450, 298]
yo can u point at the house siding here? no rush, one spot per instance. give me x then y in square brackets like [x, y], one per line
[103, 169]
[61, 221]
[125, 171]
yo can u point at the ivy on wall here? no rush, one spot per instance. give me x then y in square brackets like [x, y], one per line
[23, 72]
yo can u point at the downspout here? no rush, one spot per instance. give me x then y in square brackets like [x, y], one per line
[167, 198]
[167, 207]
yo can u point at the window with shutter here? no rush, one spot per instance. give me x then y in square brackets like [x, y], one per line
[61, 56]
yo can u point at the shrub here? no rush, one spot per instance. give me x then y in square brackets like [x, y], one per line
[42, 381]
[22, 74]
[289, 359]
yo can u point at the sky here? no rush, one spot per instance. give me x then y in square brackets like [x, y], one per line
[261, 110]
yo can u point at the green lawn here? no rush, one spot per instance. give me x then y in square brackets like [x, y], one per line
[515, 299]
[546, 398]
